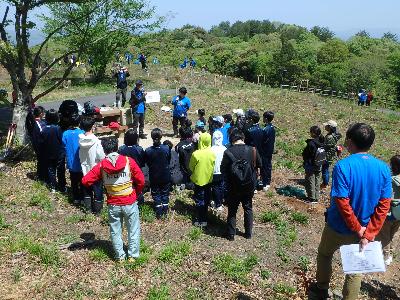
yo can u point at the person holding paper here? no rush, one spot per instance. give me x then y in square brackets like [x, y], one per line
[360, 200]
[138, 107]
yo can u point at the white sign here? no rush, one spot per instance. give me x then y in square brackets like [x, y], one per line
[368, 261]
[153, 97]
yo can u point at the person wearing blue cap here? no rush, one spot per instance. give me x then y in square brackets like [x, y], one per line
[181, 105]
[122, 85]
[138, 108]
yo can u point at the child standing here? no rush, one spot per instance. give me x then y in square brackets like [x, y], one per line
[36, 131]
[158, 158]
[267, 149]
[201, 115]
[70, 141]
[123, 180]
[392, 222]
[218, 187]
[53, 151]
[330, 145]
[313, 158]
[91, 153]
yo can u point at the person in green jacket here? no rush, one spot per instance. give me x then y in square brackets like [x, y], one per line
[330, 146]
[202, 167]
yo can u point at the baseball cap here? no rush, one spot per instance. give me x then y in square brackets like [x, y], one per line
[331, 123]
[239, 112]
[139, 82]
[219, 119]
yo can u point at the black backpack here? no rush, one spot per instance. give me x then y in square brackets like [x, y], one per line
[319, 157]
[242, 172]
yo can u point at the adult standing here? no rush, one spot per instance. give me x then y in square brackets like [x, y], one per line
[181, 105]
[138, 107]
[122, 74]
[330, 146]
[360, 200]
[370, 97]
[143, 61]
[267, 149]
[240, 188]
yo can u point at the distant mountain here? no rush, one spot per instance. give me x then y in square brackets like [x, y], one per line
[374, 32]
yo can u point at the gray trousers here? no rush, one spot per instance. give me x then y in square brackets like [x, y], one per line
[119, 93]
[313, 183]
[138, 120]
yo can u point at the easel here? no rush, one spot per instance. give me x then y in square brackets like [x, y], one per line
[258, 79]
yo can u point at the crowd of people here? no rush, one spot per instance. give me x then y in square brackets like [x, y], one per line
[224, 160]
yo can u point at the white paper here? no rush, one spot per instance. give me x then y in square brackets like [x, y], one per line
[368, 261]
[153, 97]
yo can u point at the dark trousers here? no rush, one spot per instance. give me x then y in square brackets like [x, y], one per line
[325, 173]
[41, 167]
[138, 121]
[76, 185]
[56, 173]
[266, 170]
[175, 121]
[218, 190]
[160, 194]
[93, 197]
[361, 103]
[202, 197]
[233, 205]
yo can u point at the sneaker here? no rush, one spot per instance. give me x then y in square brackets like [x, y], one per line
[131, 260]
[200, 224]
[120, 261]
[389, 260]
[220, 209]
[266, 188]
[203, 224]
[77, 202]
[310, 201]
[247, 236]
[53, 191]
[255, 191]
[316, 293]
[230, 237]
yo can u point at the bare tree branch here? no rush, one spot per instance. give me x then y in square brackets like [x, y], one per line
[3, 32]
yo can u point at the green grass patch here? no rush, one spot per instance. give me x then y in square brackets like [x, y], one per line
[174, 252]
[300, 218]
[195, 233]
[304, 263]
[40, 197]
[74, 219]
[270, 216]
[99, 254]
[3, 223]
[283, 288]
[159, 293]
[147, 213]
[144, 257]
[235, 268]
[265, 274]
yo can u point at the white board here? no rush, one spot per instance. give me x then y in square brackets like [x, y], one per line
[153, 97]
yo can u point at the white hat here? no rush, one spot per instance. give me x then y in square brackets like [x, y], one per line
[239, 112]
[219, 119]
[331, 123]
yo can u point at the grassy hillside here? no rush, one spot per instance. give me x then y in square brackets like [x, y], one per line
[51, 250]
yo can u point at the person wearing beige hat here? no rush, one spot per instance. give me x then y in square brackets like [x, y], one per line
[330, 145]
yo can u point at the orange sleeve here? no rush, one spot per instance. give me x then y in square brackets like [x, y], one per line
[377, 219]
[347, 214]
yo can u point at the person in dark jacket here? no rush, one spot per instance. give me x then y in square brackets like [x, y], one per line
[138, 107]
[176, 174]
[236, 196]
[312, 172]
[267, 149]
[158, 158]
[122, 85]
[36, 132]
[131, 149]
[185, 149]
[53, 151]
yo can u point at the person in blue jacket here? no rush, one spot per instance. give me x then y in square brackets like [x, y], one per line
[138, 106]
[53, 151]
[70, 141]
[181, 105]
[158, 159]
[268, 149]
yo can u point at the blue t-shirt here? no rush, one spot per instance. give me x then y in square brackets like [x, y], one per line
[140, 108]
[364, 180]
[70, 142]
[181, 106]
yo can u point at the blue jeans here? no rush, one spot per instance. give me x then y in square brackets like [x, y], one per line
[160, 194]
[325, 173]
[218, 191]
[129, 213]
[202, 196]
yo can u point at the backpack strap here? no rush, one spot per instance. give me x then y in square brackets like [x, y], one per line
[231, 156]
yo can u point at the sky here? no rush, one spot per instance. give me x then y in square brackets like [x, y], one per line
[344, 17]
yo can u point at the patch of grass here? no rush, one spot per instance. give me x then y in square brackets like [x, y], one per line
[40, 198]
[281, 253]
[3, 223]
[74, 219]
[269, 194]
[159, 293]
[283, 288]
[174, 252]
[300, 218]
[265, 274]
[195, 294]
[195, 233]
[145, 254]
[147, 213]
[104, 216]
[99, 254]
[16, 275]
[304, 263]
[235, 268]
[270, 216]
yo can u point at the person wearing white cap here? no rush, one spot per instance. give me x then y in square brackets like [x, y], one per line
[219, 123]
[330, 146]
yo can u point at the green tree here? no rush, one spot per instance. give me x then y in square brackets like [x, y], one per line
[322, 33]
[112, 27]
[333, 51]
